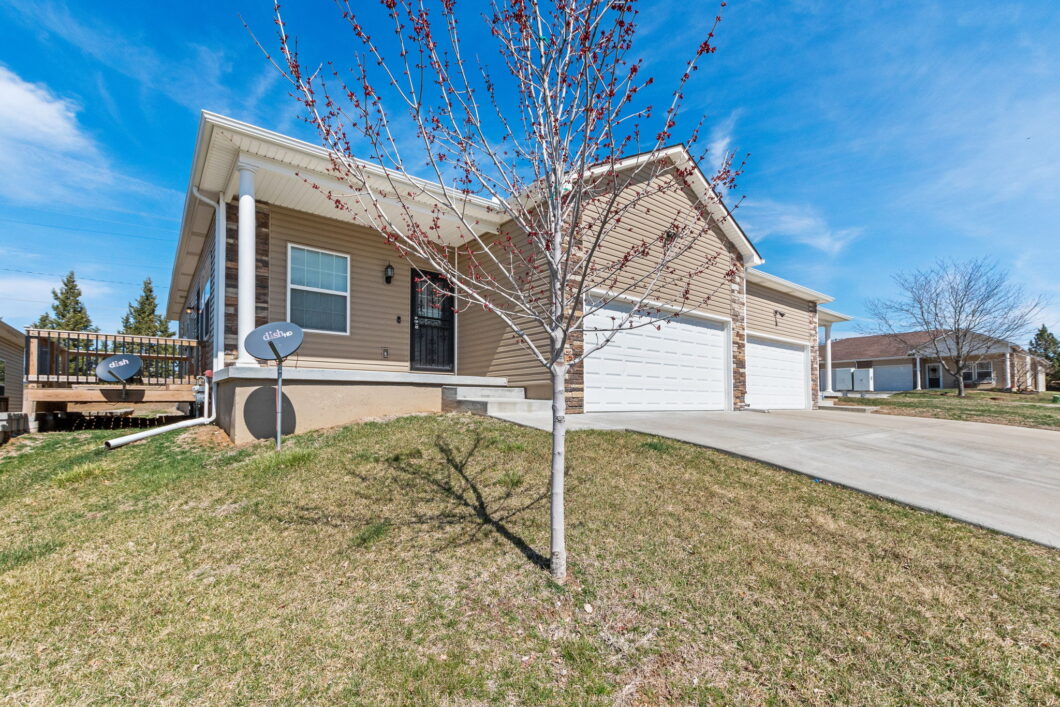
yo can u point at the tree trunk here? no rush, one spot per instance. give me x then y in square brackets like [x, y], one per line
[960, 384]
[558, 544]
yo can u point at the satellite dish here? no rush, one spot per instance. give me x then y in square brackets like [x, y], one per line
[274, 341]
[119, 368]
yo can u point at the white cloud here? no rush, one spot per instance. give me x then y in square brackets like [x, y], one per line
[798, 223]
[197, 76]
[31, 115]
[721, 140]
[47, 157]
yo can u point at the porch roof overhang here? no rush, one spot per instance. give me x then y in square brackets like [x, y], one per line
[781, 285]
[297, 175]
[830, 316]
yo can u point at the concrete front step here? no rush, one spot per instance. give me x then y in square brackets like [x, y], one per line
[497, 406]
[467, 392]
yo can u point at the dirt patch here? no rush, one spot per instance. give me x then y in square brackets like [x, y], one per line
[208, 436]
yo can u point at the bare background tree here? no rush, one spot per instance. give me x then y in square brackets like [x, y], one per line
[540, 130]
[972, 305]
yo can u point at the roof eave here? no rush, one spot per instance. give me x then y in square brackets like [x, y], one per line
[778, 283]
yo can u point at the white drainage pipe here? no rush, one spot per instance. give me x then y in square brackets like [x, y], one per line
[205, 420]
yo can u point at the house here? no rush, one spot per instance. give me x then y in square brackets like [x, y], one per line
[12, 354]
[910, 361]
[258, 243]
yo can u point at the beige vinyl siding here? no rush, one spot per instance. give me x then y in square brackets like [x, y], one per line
[762, 306]
[12, 354]
[488, 347]
[668, 203]
[374, 306]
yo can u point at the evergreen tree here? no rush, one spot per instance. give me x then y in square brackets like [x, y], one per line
[1046, 345]
[143, 318]
[68, 312]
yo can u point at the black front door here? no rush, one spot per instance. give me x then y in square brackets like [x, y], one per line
[432, 323]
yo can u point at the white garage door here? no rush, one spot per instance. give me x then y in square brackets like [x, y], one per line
[678, 367]
[892, 377]
[776, 375]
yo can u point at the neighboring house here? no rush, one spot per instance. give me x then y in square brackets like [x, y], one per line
[12, 355]
[891, 362]
[258, 243]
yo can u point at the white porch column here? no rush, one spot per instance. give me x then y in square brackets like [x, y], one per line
[247, 267]
[916, 372]
[828, 358]
[1008, 370]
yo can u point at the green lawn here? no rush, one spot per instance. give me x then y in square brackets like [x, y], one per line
[1019, 409]
[398, 562]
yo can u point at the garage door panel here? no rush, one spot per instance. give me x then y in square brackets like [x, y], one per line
[777, 375]
[679, 366]
[898, 377]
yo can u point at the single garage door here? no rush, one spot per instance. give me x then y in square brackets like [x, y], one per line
[776, 375]
[892, 377]
[680, 366]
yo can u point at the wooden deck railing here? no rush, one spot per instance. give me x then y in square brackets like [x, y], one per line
[68, 357]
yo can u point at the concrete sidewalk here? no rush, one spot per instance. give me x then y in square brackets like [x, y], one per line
[1000, 477]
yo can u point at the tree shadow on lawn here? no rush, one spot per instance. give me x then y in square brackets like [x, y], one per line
[472, 500]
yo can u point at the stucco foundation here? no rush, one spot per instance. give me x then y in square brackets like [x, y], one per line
[246, 409]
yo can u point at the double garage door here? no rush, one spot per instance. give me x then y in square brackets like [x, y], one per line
[679, 366]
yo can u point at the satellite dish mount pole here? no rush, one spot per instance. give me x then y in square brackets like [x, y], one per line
[279, 395]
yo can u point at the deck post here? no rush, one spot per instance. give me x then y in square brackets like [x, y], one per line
[247, 265]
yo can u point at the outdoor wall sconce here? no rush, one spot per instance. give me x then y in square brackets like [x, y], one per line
[778, 313]
[189, 310]
[388, 273]
[669, 237]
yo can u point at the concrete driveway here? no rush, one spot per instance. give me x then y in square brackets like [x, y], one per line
[1000, 477]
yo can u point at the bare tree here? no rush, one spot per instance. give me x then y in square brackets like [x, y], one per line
[555, 141]
[971, 308]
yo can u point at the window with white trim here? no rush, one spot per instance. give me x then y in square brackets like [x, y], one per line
[318, 289]
[983, 370]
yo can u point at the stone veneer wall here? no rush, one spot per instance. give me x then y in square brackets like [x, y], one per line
[738, 312]
[576, 375]
[261, 285]
[815, 357]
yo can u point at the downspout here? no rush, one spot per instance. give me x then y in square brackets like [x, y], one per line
[206, 420]
[209, 388]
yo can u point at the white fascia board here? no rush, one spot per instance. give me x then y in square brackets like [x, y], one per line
[319, 152]
[830, 316]
[661, 306]
[780, 284]
[175, 303]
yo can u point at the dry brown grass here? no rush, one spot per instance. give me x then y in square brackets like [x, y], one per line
[399, 562]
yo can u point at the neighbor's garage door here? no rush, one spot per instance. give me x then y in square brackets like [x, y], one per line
[680, 366]
[776, 375]
[892, 377]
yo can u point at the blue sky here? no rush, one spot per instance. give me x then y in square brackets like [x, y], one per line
[882, 135]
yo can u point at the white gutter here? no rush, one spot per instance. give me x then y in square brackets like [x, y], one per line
[208, 419]
[219, 327]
